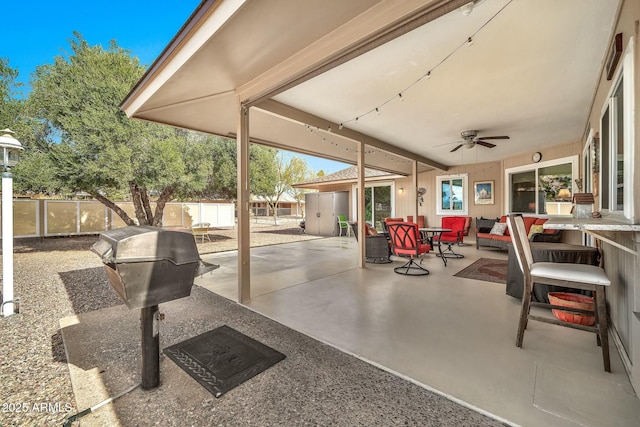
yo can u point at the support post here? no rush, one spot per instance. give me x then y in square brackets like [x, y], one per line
[244, 242]
[7, 244]
[361, 212]
[414, 190]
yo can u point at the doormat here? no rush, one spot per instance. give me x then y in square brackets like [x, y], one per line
[487, 269]
[222, 358]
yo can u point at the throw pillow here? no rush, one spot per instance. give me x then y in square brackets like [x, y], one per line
[498, 228]
[534, 230]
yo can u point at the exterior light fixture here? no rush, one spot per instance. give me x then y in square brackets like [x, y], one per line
[11, 148]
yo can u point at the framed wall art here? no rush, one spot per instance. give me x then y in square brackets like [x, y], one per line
[483, 191]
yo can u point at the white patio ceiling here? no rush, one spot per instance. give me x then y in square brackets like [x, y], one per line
[530, 73]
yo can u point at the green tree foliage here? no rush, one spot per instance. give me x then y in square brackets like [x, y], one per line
[34, 169]
[10, 106]
[224, 176]
[94, 147]
[287, 173]
[298, 171]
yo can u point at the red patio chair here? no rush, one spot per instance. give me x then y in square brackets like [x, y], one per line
[454, 237]
[406, 241]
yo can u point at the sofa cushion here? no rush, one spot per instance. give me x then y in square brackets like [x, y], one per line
[528, 222]
[498, 229]
[501, 238]
[541, 221]
[535, 228]
[503, 219]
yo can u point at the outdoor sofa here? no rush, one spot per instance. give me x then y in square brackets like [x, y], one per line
[490, 235]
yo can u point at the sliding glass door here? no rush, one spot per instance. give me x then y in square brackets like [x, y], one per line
[377, 203]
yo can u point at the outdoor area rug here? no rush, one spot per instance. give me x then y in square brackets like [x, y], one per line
[487, 269]
[222, 358]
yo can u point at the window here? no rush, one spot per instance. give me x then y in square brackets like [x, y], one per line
[616, 136]
[542, 189]
[452, 195]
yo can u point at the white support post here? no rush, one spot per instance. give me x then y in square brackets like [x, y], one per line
[362, 248]
[7, 243]
[244, 241]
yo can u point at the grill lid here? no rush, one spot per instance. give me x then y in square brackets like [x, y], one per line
[144, 244]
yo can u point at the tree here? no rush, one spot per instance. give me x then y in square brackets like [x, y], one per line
[280, 185]
[34, 165]
[286, 175]
[298, 171]
[224, 178]
[10, 106]
[94, 147]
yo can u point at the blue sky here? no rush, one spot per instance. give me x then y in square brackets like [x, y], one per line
[35, 32]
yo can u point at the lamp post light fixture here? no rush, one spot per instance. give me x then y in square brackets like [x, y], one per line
[11, 148]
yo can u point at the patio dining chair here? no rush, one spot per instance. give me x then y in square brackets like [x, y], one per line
[343, 224]
[568, 275]
[454, 237]
[406, 242]
[201, 229]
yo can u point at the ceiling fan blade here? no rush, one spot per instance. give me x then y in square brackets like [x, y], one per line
[448, 143]
[455, 149]
[494, 137]
[485, 144]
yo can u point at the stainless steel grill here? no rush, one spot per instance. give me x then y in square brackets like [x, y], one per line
[147, 266]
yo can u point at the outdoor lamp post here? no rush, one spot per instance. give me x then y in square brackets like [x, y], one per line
[11, 148]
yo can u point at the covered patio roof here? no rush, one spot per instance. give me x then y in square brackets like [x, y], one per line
[384, 84]
[400, 77]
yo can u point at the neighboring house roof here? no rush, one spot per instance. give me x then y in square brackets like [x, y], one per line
[347, 175]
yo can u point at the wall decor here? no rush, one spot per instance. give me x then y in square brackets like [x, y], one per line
[483, 192]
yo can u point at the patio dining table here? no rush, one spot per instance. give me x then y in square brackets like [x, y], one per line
[428, 234]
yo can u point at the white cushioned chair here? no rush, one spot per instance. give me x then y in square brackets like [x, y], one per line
[569, 275]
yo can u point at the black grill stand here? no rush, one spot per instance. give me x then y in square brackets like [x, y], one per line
[149, 325]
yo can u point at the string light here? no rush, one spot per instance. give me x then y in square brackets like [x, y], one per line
[376, 152]
[468, 42]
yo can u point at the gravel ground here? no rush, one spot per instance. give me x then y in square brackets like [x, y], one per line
[56, 278]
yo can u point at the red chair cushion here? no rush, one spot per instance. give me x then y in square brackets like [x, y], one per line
[405, 239]
[456, 224]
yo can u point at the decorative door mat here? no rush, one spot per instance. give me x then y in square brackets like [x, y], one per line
[487, 269]
[222, 358]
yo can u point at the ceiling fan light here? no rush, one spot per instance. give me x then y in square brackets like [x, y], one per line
[470, 146]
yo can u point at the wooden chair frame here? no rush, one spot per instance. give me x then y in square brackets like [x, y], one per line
[597, 284]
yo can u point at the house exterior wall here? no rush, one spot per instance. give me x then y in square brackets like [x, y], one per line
[490, 171]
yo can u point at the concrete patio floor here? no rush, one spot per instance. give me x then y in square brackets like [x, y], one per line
[452, 335]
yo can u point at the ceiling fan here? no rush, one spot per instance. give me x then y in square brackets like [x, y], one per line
[470, 138]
